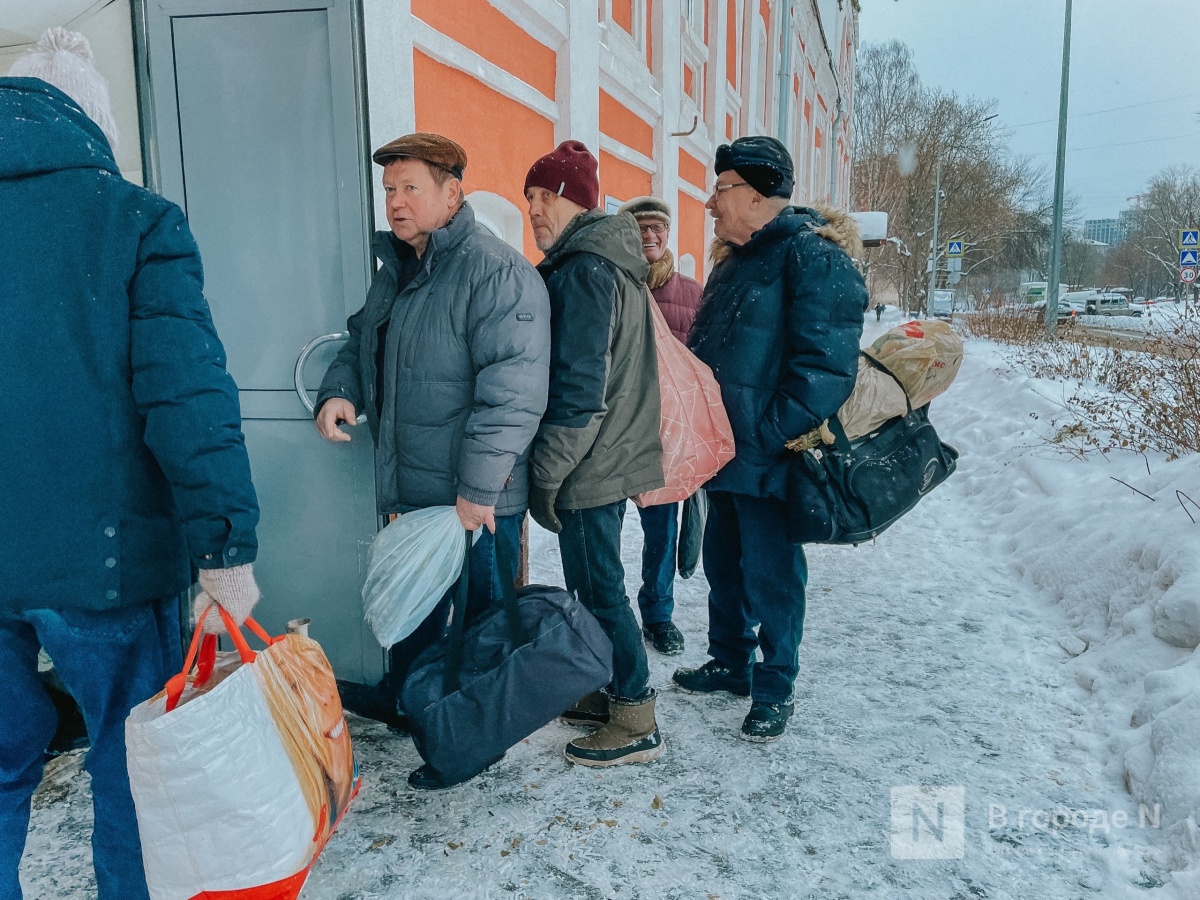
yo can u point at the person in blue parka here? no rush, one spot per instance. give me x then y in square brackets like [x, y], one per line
[779, 324]
[125, 469]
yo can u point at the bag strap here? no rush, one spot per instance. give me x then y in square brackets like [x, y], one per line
[454, 635]
[202, 653]
[840, 440]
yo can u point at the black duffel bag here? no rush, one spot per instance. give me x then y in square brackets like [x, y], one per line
[485, 687]
[852, 491]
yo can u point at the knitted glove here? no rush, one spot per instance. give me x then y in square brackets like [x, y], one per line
[541, 507]
[233, 589]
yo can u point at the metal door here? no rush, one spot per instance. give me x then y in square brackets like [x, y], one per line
[252, 117]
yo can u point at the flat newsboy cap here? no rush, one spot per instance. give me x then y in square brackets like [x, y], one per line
[647, 208]
[431, 148]
[763, 161]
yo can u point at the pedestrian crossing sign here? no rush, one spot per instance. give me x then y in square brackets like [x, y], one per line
[1189, 257]
[1189, 238]
[954, 248]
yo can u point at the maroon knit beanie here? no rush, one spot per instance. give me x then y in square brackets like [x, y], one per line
[570, 171]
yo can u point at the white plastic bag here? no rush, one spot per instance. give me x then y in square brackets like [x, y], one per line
[240, 771]
[411, 565]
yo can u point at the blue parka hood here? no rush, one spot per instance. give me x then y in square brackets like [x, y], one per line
[46, 131]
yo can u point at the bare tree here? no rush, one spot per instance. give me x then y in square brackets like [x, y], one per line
[995, 203]
[1170, 202]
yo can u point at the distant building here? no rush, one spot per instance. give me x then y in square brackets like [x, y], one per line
[1107, 231]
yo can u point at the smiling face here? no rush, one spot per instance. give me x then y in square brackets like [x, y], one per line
[417, 205]
[655, 234]
[735, 208]
[549, 215]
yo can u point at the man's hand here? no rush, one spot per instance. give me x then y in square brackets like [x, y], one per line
[541, 507]
[336, 411]
[472, 515]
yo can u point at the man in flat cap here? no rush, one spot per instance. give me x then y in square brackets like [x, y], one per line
[678, 297]
[598, 444]
[779, 326]
[449, 362]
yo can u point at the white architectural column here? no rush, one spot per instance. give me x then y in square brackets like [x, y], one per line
[718, 17]
[668, 72]
[391, 82]
[577, 85]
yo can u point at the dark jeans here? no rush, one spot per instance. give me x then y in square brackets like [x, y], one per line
[110, 662]
[590, 543]
[660, 526]
[755, 577]
[483, 589]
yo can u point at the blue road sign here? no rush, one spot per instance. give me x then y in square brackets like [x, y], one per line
[1189, 257]
[954, 248]
[1189, 237]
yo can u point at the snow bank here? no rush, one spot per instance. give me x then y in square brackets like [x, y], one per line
[1110, 540]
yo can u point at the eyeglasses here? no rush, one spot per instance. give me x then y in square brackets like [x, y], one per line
[719, 189]
[653, 227]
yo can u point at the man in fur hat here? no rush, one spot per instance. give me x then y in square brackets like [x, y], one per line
[678, 297]
[780, 327]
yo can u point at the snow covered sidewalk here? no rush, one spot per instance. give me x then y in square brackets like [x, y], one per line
[995, 645]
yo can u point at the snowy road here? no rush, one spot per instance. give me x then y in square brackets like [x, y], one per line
[928, 659]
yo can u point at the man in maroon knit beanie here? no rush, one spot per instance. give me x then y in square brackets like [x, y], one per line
[598, 443]
[678, 297]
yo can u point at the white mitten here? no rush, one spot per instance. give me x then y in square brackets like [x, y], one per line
[233, 589]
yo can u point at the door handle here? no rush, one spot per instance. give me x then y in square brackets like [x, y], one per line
[302, 361]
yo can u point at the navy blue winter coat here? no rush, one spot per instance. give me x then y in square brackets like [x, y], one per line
[779, 324]
[122, 463]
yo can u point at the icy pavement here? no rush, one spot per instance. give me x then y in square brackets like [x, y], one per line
[928, 660]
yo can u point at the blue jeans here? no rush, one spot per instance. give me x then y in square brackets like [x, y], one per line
[590, 543]
[110, 661]
[483, 589]
[755, 577]
[656, 598]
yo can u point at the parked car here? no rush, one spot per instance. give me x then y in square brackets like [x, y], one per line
[1068, 307]
[1109, 304]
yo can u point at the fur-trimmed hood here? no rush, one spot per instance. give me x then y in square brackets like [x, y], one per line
[832, 224]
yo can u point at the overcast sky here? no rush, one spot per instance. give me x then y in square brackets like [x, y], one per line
[1143, 55]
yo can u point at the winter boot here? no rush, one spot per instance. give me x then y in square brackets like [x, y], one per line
[766, 722]
[664, 637]
[713, 676]
[425, 779]
[631, 736]
[589, 712]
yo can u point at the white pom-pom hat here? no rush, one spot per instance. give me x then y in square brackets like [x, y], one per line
[64, 59]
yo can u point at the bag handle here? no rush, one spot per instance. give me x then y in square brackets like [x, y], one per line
[840, 439]
[202, 653]
[454, 637]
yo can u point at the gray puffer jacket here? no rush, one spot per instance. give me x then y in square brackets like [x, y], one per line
[465, 369]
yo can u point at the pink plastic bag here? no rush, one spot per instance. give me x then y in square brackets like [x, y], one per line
[696, 435]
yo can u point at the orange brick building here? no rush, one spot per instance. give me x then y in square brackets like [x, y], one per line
[651, 86]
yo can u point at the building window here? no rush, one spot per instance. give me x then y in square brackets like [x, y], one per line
[693, 11]
[629, 16]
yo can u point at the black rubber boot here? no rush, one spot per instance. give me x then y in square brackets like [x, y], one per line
[372, 702]
[425, 779]
[766, 722]
[711, 677]
[664, 637]
[590, 712]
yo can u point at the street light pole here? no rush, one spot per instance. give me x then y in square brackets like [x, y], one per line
[1059, 172]
[933, 250]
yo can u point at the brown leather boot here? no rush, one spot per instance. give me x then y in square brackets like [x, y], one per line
[631, 736]
[589, 712]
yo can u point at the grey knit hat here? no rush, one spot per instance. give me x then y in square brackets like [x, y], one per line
[647, 208]
[63, 59]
